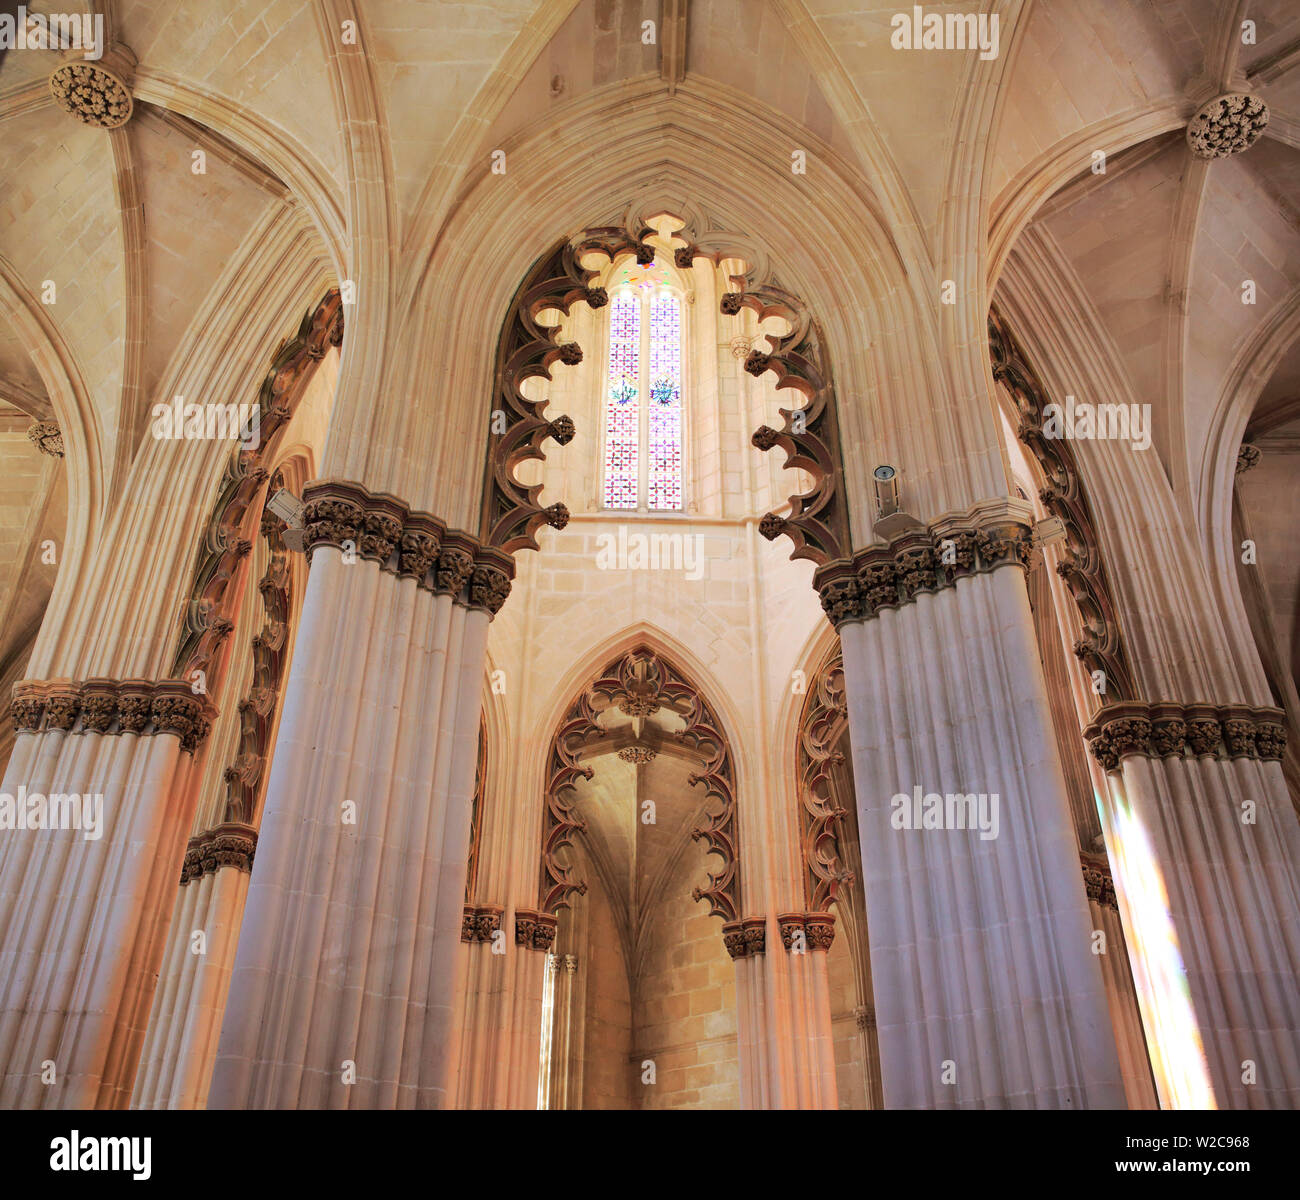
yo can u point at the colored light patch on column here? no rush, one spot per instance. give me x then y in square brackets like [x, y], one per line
[1164, 997]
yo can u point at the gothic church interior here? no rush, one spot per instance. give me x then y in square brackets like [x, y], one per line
[650, 554]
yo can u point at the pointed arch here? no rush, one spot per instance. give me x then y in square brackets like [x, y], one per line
[640, 680]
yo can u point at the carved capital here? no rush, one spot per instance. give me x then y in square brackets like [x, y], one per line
[1165, 729]
[877, 581]
[490, 582]
[231, 844]
[418, 549]
[841, 596]
[544, 932]
[455, 566]
[820, 929]
[1098, 883]
[110, 706]
[332, 516]
[792, 925]
[754, 930]
[480, 923]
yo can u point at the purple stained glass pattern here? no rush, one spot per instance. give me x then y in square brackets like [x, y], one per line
[622, 411]
[665, 407]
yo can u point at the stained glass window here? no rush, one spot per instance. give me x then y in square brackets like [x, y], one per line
[643, 407]
[623, 413]
[664, 489]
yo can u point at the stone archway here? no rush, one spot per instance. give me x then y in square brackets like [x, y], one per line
[639, 1004]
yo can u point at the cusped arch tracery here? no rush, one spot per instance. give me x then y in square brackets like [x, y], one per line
[822, 726]
[570, 272]
[640, 683]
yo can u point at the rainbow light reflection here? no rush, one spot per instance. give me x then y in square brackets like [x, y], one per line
[1173, 1037]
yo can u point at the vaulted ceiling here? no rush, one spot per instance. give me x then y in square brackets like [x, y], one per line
[139, 247]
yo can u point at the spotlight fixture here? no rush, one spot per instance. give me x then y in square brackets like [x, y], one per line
[886, 490]
[285, 505]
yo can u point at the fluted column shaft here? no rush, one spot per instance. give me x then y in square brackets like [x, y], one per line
[81, 937]
[987, 994]
[1204, 850]
[349, 951]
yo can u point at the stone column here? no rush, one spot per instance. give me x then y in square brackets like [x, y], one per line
[186, 1018]
[348, 968]
[1204, 846]
[987, 993]
[1125, 1012]
[83, 911]
[783, 1015]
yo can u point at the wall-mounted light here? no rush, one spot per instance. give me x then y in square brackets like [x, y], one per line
[886, 490]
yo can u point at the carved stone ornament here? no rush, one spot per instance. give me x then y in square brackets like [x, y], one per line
[410, 545]
[1226, 125]
[92, 93]
[817, 521]
[1097, 881]
[638, 754]
[535, 930]
[566, 275]
[802, 932]
[480, 923]
[745, 939]
[245, 777]
[918, 561]
[110, 706]
[231, 844]
[822, 725]
[1100, 646]
[47, 438]
[240, 507]
[1164, 729]
[641, 681]
[1247, 457]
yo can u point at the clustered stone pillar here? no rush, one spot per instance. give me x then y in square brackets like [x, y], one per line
[987, 993]
[346, 977]
[186, 1018]
[83, 912]
[783, 1018]
[1203, 838]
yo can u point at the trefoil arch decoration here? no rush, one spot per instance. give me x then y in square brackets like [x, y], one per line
[568, 273]
[640, 683]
